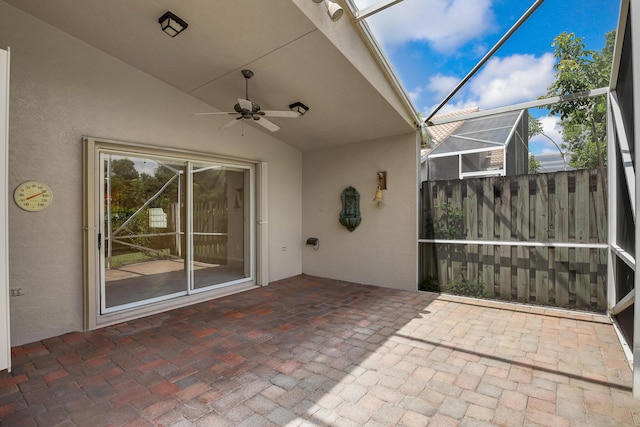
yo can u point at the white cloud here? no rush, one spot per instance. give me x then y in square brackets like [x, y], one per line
[415, 94]
[513, 79]
[444, 24]
[540, 144]
[450, 107]
[441, 85]
[501, 82]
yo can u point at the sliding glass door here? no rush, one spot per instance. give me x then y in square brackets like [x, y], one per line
[218, 236]
[170, 228]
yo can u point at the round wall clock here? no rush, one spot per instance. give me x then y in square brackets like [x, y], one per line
[33, 196]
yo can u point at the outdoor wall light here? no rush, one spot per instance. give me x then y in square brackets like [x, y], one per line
[172, 24]
[382, 180]
[378, 197]
[313, 241]
[382, 185]
[333, 9]
[299, 108]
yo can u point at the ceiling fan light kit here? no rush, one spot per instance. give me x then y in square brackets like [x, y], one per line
[172, 24]
[248, 109]
[299, 108]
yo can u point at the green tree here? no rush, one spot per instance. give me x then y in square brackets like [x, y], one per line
[583, 121]
[124, 168]
[125, 185]
[534, 164]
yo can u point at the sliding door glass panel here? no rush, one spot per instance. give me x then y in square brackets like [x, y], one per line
[219, 226]
[143, 231]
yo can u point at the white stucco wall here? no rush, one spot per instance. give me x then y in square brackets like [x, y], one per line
[383, 249]
[62, 89]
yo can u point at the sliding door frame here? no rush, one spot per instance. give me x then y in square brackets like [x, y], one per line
[257, 239]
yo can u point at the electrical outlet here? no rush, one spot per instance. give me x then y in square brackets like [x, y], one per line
[16, 292]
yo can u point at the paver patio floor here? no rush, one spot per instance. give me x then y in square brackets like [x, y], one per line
[317, 352]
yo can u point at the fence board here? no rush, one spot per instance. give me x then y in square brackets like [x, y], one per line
[522, 233]
[583, 273]
[600, 196]
[471, 227]
[504, 216]
[542, 275]
[457, 252]
[488, 251]
[582, 216]
[562, 214]
[581, 210]
[210, 217]
[561, 207]
[442, 250]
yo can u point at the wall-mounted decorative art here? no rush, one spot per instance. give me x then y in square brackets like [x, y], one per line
[350, 214]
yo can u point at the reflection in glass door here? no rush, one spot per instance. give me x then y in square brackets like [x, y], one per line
[218, 234]
[143, 231]
[169, 228]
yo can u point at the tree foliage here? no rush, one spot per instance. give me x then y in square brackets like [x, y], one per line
[131, 189]
[535, 127]
[583, 121]
[534, 164]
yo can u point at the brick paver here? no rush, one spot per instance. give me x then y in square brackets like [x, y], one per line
[307, 351]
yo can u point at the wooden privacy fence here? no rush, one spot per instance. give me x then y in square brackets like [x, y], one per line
[530, 238]
[210, 240]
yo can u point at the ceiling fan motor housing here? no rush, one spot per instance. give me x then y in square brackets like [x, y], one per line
[248, 109]
[246, 113]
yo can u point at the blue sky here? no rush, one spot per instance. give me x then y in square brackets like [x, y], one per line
[433, 44]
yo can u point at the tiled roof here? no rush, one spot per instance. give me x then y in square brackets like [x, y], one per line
[440, 132]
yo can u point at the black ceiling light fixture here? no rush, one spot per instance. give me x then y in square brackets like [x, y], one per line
[299, 108]
[172, 24]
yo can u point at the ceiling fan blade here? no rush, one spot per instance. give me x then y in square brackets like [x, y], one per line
[230, 123]
[245, 104]
[267, 124]
[286, 114]
[218, 112]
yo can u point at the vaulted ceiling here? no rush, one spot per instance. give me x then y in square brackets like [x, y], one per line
[290, 45]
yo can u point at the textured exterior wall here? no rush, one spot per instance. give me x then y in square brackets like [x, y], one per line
[383, 249]
[63, 89]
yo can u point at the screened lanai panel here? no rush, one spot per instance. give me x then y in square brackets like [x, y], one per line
[625, 89]
[483, 161]
[482, 133]
[455, 145]
[497, 121]
[495, 135]
[444, 168]
[625, 231]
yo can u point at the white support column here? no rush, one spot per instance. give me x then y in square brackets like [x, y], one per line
[262, 219]
[612, 171]
[5, 331]
[634, 14]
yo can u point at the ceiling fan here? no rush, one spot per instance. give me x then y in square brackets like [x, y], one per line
[248, 109]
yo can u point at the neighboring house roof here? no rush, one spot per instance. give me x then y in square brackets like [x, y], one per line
[441, 132]
[489, 132]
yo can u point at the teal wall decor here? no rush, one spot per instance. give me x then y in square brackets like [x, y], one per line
[350, 214]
